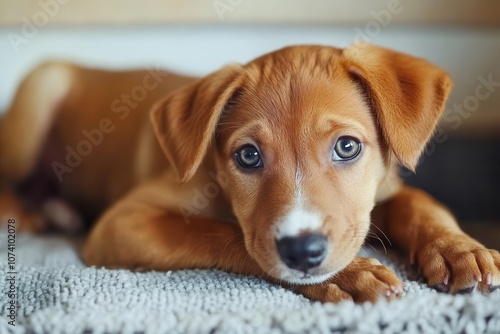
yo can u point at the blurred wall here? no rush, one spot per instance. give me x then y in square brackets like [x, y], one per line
[469, 54]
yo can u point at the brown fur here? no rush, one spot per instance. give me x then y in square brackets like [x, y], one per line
[293, 104]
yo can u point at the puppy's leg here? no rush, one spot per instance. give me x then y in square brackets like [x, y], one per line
[23, 132]
[138, 234]
[12, 208]
[25, 126]
[363, 280]
[450, 260]
[141, 236]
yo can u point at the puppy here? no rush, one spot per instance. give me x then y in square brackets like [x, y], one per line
[275, 168]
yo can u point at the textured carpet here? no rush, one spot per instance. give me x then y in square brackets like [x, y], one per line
[56, 293]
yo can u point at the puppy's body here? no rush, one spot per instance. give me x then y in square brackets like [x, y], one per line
[62, 105]
[302, 211]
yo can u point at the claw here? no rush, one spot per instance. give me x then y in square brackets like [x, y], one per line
[488, 279]
[396, 289]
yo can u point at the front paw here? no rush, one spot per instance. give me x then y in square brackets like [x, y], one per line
[459, 264]
[365, 279]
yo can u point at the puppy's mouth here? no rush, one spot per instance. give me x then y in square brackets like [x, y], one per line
[304, 278]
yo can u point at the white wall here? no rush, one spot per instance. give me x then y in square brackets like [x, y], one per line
[466, 53]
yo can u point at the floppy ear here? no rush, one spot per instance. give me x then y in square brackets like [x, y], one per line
[407, 94]
[185, 121]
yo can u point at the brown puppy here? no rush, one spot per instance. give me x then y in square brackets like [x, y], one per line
[281, 161]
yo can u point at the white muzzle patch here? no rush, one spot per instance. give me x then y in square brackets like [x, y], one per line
[298, 219]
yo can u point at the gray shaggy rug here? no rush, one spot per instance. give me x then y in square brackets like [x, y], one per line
[56, 293]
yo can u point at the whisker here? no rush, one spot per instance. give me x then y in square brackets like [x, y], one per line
[370, 245]
[381, 241]
[363, 253]
[378, 228]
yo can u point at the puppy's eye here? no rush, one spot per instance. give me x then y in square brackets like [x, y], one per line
[248, 157]
[346, 148]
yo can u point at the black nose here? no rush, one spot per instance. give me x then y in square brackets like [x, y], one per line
[302, 252]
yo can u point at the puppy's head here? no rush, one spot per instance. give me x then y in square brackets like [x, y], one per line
[306, 134]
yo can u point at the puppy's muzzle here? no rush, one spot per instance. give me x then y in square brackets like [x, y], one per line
[303, 252]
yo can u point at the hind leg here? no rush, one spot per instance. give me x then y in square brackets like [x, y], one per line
[11, 207]
[23, 133]
[25, 126]
[51, 214]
